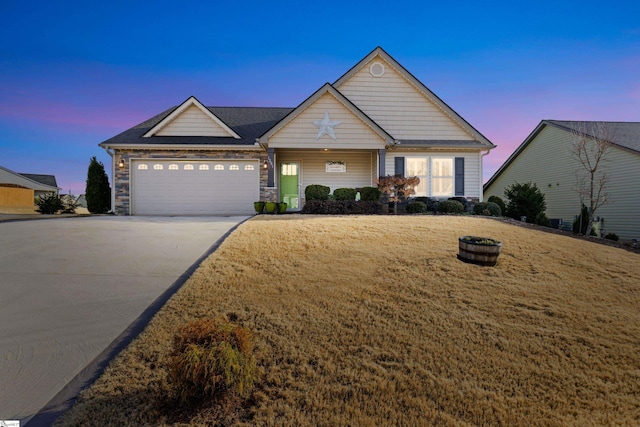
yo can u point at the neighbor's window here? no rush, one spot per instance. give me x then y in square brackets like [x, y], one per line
[158, 167]
[173, 167]
[417, 166]
[234, 168]
[218, 167]
[249, 167]
[188, 167]
[204, 167]
[143, 167]
[441, 176]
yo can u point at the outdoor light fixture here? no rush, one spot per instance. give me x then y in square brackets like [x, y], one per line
[121, 164]
[265, 164]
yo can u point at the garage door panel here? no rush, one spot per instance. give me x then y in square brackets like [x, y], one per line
[195, 192]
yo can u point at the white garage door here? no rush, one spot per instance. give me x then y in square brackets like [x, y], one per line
[164, 187]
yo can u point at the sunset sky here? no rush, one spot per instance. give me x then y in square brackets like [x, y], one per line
[74, 73]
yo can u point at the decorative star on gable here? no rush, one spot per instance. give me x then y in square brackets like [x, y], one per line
[326, 126]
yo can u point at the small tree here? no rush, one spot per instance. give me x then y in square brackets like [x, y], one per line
[525, 200]
[591, 143]
[49, 204]
[397, 188]
[98, 192]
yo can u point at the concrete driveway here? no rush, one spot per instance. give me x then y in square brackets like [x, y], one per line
[69, 287]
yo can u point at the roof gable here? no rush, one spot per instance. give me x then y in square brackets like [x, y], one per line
[36, 182]
[626, 135]
[400, 103]
[326, 118]
[191, 118]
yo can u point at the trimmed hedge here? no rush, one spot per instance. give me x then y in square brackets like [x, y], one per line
[370, 194]
[317, 192]
[344, 193]
[487, 209]
[342, 207]
[417, 208]
[498, 201]
[450, 207]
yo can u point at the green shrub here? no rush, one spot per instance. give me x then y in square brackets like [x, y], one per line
[463, 201]
[212, 358]
[487, 209]
[417, 207]
[370, 194]
[345, 193]
[526, 200]
[49, 204]
[450, 207]
[432, 204]
[581, 222]
[97, 192]
[342, 207]
[498, 201]
[317, 192]
[612, 236]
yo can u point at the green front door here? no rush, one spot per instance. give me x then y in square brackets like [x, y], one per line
[289, 192]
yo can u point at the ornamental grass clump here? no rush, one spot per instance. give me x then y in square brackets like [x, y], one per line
[212, 358]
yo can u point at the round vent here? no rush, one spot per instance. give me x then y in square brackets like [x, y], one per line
[376, 69]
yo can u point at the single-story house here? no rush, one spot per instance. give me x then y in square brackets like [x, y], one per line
[375, 120]
[546, 159]
[18, 190]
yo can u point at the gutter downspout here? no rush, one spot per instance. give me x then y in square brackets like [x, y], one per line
[482, 154]
[113, 179]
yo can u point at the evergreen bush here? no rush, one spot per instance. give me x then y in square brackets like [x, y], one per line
[417, 208]
[98, 192]
[345, 194]
[498, 201]
[317, 192]
[49, 204]
[370, 194]
[487, 209]
[526, 200]
[450, 207]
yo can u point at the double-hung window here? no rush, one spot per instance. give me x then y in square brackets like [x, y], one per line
[417, 166]
[441, 177]
[436, 175]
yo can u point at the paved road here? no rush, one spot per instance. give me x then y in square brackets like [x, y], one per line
[69, 287]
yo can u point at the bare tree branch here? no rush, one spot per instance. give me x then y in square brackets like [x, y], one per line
[591, 143]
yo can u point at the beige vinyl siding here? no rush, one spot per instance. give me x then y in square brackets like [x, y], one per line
[361, 168]
[472, 167]
[193, 122]
[547, 161]
[350, 133]
[621, 213]
[399, 107]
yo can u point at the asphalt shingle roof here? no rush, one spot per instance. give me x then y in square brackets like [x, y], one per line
[248, 122]
[42, 179]
[624, 134]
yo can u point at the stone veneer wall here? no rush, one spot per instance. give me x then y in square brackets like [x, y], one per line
[122, 177]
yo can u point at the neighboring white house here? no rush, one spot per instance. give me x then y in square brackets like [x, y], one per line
[18, 190]
[377, 119]
[545, 158]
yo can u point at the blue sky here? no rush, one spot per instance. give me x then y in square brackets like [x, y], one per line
[74, 73]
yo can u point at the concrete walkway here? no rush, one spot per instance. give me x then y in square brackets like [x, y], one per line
[70, 286]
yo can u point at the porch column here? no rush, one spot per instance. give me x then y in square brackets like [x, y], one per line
[271, 161]
[382, 157]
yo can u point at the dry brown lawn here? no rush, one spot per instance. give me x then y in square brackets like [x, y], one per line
[372, 320]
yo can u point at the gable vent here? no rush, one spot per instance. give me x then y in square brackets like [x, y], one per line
[376, 69]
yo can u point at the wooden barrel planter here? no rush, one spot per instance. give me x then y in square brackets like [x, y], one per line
[479, 250]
